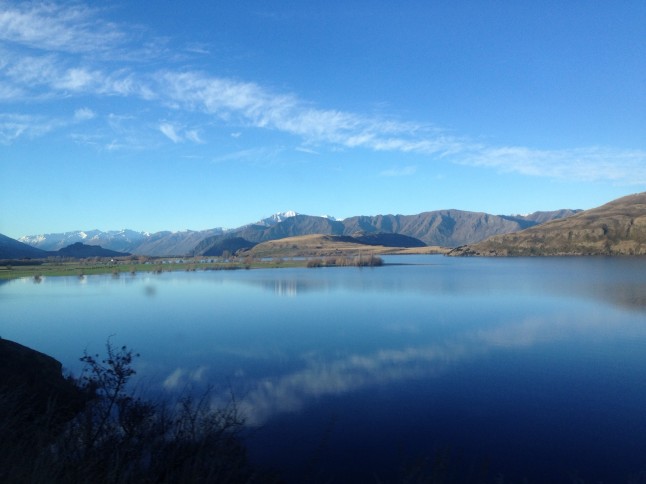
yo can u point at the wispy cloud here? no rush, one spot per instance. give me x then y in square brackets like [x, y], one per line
[193, 135]
[180, 378]
[292, 391]
[52, 77]
[84, 114]
[405, 171]
[309, 151]
[178, 134]
[61, 51]
[169, 131]
[14, 126]
[583, 164]
[10, 92]
[251, 154]
[125, 134]
[69, 27]
[76, 29]
[252, 105]
[17, 125]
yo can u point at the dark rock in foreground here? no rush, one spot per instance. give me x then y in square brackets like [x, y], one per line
[32, 384]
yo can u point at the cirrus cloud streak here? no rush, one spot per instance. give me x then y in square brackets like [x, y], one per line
[53, 52]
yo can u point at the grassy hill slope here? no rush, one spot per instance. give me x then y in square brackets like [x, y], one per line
[616, 228]
[329, 245]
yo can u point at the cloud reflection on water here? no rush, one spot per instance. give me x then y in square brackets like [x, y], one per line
[292, 392]
[181, 378]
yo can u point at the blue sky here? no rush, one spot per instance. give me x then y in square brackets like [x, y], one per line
[198, 114]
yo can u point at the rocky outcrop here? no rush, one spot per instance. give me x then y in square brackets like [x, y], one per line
[33, 387]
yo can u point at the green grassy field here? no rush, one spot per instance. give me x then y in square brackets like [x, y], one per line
[82, 268]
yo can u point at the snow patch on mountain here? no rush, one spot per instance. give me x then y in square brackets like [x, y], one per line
[119, 240]
[277, 218]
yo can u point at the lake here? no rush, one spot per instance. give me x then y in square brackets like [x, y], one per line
[513, 367]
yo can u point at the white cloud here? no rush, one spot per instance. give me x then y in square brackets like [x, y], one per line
[180, 377]
[9, 92]
[173, 380]
[193, 135]
[309, 151]
[198, 48]
[84, 114]
[11, 130]
[88, 139]
[14, 126]
[582, 164]
[253, 105]
[70, 27]
[126, 133]
[29, 71]
[251, 154]
[178, 134]
[405, 171]
[78, 79]
[292, 391]
[58, 51]
[50, 77]
[169, 131]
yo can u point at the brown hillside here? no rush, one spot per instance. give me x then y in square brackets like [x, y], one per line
[616, 228]
[328, 245]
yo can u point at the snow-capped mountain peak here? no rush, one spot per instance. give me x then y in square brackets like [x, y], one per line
[115, 240]
[277, 218]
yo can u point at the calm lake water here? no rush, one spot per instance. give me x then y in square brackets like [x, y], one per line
[528, 367]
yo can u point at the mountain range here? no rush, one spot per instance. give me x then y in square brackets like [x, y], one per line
[448, 228]
[616, 228]
[14, 249]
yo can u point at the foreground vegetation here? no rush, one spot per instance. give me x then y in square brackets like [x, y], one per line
[357, 261]
[113, 436]
[119, 438]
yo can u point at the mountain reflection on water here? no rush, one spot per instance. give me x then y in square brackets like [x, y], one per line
[629, 293]
[535, 366]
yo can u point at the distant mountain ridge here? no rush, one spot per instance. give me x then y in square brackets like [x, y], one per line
[119, 240]
[448, 228]
[14, 249]
[163, 243]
